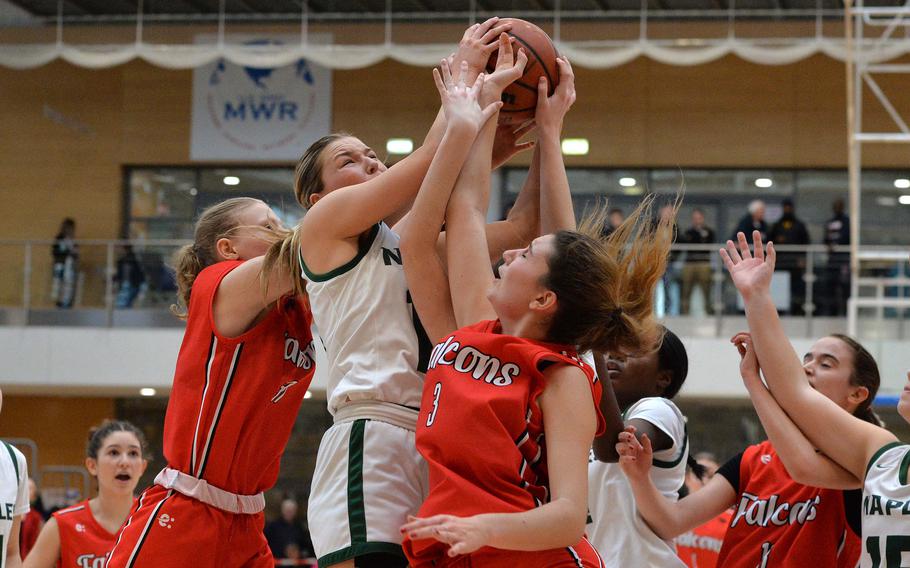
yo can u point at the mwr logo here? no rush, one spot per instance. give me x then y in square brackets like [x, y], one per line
[91, 561]
[304, 358]
[259, 112]
[472, 361]
[765, 512]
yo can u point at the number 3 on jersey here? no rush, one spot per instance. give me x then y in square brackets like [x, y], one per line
[436, 392]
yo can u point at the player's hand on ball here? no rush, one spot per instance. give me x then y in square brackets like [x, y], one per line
[634, 456]
[509, 67]
[459, 101]
[476, 45]
[749, 273]
[464, 535]
[551, 110]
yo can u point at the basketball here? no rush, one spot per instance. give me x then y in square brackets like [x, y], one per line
[520, 98]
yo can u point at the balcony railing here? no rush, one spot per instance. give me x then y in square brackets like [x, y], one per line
[124, 283]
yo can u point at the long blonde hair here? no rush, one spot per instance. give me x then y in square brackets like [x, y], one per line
[218, 221]
[605, 285]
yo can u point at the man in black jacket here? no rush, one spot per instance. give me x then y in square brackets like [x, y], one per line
[789, 230]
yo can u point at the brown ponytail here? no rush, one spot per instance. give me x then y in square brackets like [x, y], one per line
[284, 255]
[216, 222]
[605, 286]
[864, 374]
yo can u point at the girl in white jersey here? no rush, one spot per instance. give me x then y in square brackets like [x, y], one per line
[369, 476]
[864, 450]
[13, 500]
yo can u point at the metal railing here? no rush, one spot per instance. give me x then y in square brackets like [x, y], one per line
[811, 281]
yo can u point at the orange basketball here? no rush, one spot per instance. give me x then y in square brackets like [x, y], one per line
[520, 98]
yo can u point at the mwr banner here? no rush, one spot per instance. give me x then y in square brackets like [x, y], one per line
[258, 114]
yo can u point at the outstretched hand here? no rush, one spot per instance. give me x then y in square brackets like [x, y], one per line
[509, 67]
[551, 110]
[459, 102]
[476, 45]
[749, 273]
[464, 535]
[634, 456]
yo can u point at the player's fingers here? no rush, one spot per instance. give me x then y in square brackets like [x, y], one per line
[525, 146]
[440, 86]
[733, 253]
[483, 27]
[757, 245]
[646, 444]
[728, 263]
[505, 56]
[492, 35]
[772, 255]
[490, 110]
[462, 74]
[743, 246]
[478, 83]
[526, 127]
[446, 73]
[521, 60]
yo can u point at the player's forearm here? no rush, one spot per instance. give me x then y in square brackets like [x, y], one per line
[557, 524]
[605, 444]
[666, 518]
[525, 213]
[556, 211]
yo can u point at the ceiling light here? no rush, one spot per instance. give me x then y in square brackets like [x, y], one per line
[902, 183]
[399, 146]
[886, 200]
[147, 391]
[627, 182]
[193, 191]
[308, 394]
[575, 146]
[904, 199]
[763, 182]
[231, 180]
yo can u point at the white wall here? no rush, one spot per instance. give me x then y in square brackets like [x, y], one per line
[48, 359]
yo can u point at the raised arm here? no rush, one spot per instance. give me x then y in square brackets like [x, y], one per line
[570, 421]
[668, 519]
[556, 211]
[844, 438]
[803, 462]
[423, 267]
[470, 273]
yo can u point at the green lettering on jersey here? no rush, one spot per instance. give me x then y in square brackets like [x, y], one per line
[875, 506]
[892, 504]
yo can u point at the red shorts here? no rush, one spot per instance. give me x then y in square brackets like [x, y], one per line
[170, 529]
[582, 555]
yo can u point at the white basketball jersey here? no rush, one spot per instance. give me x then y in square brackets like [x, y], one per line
[375, 347]
[13, 492]
[886, 508]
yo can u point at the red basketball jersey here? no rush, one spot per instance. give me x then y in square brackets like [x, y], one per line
[700, 547]
[779, 522]
[234, 400]
[84, 543]
[480, 427]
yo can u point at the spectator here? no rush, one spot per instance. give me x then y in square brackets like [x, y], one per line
[672, 273]
[287, 530]
[615, 218]
[31, 521]
[697, 269]
[754, 220]
[129, 278]
[833, 302]
[700, 547]
[790, 230]
[65, 253]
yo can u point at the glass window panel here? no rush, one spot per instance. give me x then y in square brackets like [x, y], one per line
[162, 192]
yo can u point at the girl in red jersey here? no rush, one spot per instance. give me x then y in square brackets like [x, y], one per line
[792, 506]
[82, 536]
[243, 368]
[509, 411]
[865, 451]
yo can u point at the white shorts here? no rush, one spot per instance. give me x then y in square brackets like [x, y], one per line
[369, 477]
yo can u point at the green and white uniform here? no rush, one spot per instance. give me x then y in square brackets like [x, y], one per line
[886, 509]
[13, 493]
[368, 476]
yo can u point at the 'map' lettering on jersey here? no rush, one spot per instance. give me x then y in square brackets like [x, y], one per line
[303, 358]
[764, 512]
[472, 361]
[878, 505]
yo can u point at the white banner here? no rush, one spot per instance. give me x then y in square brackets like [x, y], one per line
[256, 113]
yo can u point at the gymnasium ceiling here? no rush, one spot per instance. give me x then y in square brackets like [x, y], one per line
[196, 10]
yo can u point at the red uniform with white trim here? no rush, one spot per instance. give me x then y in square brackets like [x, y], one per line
[781, 523]
[700, 547]
[231, 412]
[481, 431]
[84, 543]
